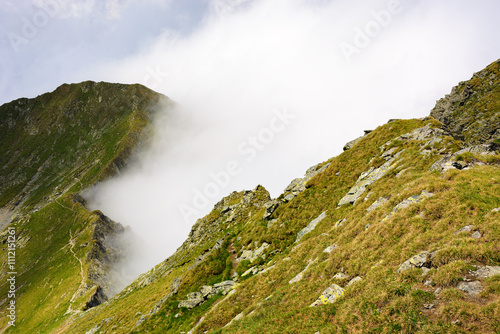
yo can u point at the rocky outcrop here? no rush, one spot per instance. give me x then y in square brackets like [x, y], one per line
[299, 185]
[296, 187]
[417, 261]
[427, 134]
[407, 202]
[366, 179]
[378, 203]
[310, 226]
[105, 253]
[228, 209]
[351, 144]
[469, 112]
[455, 160]
[255, 254]
[206, 292]
[329, 296]
[300, 275]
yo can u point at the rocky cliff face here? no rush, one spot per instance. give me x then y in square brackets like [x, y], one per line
[471, 112]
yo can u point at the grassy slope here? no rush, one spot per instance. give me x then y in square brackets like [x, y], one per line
[84, 132]
[384, 301]
[76, 135]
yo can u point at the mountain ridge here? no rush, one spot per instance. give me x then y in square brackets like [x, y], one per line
[399, 233]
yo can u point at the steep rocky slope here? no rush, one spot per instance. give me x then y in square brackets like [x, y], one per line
[52, 147]
[398, 234]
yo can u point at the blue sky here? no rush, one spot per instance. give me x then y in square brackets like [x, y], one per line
[339, 67]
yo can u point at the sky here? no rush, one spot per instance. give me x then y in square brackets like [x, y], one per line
[264, 89]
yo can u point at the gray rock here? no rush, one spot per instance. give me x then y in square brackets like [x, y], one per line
[378, 203]
[174, 287]
[473, 288]
[299, 185]
[252, 271]
[476, 235]
[449, 161]
[300, 275]
[224, 287]
[416, 261]
[310, 226]
[412, 200]
[487, 271]
[467, 228]
[461, 119]
[329, 249]
[253, 255]
[207, 291]
[238, 317]
[270, 208]
[429, 306]
[340, 275]
[329, 296]
[354, 280]
[389, 153]
[350, 144]
[93, 330]
[272, 222]
[366, 179]
[141, 320]
[407, 202]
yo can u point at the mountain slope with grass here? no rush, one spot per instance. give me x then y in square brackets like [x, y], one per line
[53, 147]
[398, 234]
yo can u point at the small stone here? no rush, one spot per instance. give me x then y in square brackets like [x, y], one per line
[310, 226]
[272, 222]
[329, 249]
[473, 288]
[354, 280]
[340, 276]
[296, 278]
[428, 306]
[207, 291]
[425, 271]
[487, 271]
[438, 290]
[329, 296]
[476, 235]
[416, 261]
[254, 270]
[378, 203]
[467, 228]
[428, 283]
